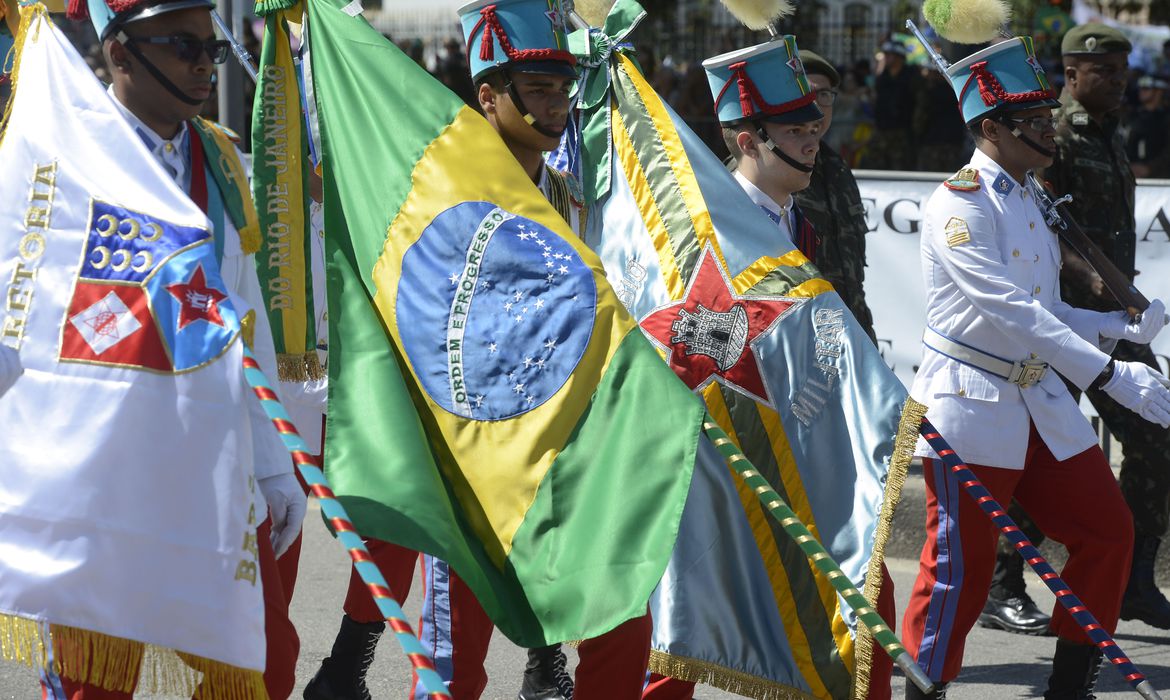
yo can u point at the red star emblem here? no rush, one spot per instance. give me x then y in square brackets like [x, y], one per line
[709, 334]
[197, 301]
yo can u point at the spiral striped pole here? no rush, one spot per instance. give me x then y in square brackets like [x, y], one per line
[339, 520]
[1039, 564]
[816, 553]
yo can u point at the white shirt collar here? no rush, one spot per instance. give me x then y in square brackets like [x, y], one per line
[760, 199]
[172, 153]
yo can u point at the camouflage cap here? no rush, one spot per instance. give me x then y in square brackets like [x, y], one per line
[1094, 38]
[816, 64]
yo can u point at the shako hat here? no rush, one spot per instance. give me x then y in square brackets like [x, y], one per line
[521, 35]
[1006, 77]
[763, 82]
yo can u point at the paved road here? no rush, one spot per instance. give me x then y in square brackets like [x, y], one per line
[999, 665]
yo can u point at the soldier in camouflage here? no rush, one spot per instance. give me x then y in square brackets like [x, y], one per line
[1091, 165]
[832, 203]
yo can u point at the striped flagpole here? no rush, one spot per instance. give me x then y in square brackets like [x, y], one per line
[816, 553]
[335, 513]
[1028, 551]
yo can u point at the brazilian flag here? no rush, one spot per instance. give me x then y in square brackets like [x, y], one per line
[491, 400]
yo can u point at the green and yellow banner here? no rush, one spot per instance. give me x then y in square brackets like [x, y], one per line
[280, 177]
[492, 402]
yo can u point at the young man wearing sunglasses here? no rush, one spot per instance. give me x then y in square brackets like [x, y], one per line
[999, 339]
[162, 57]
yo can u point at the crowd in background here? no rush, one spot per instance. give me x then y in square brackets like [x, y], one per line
[891, 112]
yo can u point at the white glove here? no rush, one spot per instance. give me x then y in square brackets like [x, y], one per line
[1119, 325]
[287, 505]
[1141, 390]
[10, 368]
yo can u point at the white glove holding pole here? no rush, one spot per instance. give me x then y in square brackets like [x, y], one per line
[1142, 390]
[1119, 325]
[286, 505]
[10, 368]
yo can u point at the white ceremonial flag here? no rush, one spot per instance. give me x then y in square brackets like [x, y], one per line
[127, 502]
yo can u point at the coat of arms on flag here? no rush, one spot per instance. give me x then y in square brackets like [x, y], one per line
[148, 294]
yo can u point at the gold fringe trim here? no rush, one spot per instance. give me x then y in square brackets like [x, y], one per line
[124, 665]
[292, 367]
[904, 441]
[28, 13]
[708, 673]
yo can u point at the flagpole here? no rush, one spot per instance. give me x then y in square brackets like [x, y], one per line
[339, 520]
[998, 514]
[816, 553]
[238, 49]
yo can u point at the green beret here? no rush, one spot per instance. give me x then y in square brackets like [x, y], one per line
[1094, 38]
[814, 63]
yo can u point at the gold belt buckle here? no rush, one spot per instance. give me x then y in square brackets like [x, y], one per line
[1028, 373]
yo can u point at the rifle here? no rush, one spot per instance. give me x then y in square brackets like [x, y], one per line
[1116, 281]
[1065, 226]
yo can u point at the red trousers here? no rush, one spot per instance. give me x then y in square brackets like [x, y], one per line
[666, 688]
[1076, 502]
[283, 644]
[397, 567]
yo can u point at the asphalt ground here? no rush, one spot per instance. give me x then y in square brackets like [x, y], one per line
[997, 664]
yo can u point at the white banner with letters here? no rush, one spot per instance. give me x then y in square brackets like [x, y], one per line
[893, 275]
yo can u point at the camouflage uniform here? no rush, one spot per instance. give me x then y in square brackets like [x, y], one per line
[1092, 166]
[832, 203]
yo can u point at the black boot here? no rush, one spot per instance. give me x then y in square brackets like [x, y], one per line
[1143, 601]
[1009, 607]
[1074, 671]
[342, 675]
[913, 692]
[545, 677]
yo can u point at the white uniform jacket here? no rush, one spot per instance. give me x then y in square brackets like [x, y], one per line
[991, 268]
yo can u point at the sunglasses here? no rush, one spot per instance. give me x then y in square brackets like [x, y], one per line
[1037, 124]
[189, 48]
[826, 97]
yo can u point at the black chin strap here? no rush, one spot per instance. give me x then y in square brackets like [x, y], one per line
[520, 107]
[762, 133]
[1029, 142]
[156, 73]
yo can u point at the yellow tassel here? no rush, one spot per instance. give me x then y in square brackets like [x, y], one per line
[706, 672]
[21, 641]
[293, 367]
[28, 13]
[907, 437]
[124, 665]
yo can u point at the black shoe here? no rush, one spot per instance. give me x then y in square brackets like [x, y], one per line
[1075, 668]
[545, 677]
[914, 693]
[1017, 614]
[342, 675]
[1143, 601]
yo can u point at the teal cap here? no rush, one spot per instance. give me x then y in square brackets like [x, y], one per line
[1001, 78]
[521, 35]
[763, 82]
[108, 16]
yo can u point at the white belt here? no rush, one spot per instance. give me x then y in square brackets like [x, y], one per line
[1025, 373]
